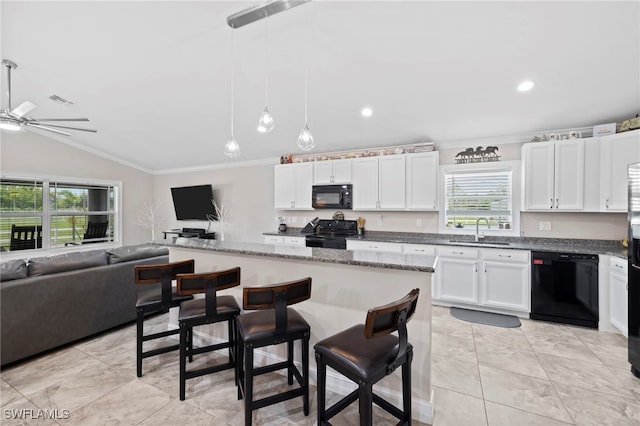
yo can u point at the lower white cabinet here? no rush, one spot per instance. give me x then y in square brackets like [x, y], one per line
[493, 278]
[285, 240]
[618, 308]
[504, 279]
[456, 277]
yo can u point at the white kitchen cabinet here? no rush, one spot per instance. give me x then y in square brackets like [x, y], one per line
[273, 239]
[292, 186]
[422, 181]
[505, 279]
[379, 183]
[617, 152]
[618, 294]
[475, 278]
[554, 175]
[285, 240]
[332, 171]
[456, 277]
[419, 249]
[374, 246]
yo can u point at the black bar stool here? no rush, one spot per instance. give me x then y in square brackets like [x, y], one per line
[366, 354]
[210, 310]
[157, 300]
[274, 323]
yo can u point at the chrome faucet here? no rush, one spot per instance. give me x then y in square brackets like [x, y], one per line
[478, 236]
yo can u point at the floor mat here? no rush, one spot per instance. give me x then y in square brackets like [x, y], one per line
[498, 320]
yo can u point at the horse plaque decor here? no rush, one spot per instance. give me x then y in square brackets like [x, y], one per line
[477, 155]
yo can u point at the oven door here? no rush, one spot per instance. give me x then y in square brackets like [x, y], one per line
[326, 242]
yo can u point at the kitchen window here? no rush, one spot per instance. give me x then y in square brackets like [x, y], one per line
[477, 192]
[50, 213]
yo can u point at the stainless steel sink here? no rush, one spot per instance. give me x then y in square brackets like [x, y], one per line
[480, 243]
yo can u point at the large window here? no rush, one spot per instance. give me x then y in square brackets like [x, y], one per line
[479, 197]
[43, 213]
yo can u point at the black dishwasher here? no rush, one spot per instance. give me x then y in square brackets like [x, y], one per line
[564, 288]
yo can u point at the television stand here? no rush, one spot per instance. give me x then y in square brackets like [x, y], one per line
[186, 232]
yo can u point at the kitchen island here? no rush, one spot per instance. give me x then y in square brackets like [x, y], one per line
[343, 289]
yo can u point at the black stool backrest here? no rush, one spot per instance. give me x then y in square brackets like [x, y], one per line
[278, 297]
[208, 283]
[386, 319]
[163, 273]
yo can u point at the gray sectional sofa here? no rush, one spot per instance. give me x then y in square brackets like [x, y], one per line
[46, 302]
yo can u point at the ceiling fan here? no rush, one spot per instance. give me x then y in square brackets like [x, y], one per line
[16, 118]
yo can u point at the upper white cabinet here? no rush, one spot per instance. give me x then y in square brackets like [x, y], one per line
[422, 181]
[292, 186]
[379, 183]
[332, 171]
[616, 153]
[554, 175]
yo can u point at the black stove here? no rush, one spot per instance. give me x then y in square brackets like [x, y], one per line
[332, 233]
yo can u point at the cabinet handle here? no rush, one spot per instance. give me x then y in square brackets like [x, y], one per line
[475, 267]
[606, 203]
[485, 267]
[619, 266]
[434, 204]
[551, 203]
[373, 247]
[557, 204]
[418, 250]
[457, 252]
[504, 255]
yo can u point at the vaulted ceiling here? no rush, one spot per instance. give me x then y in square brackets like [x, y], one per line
[154, 77]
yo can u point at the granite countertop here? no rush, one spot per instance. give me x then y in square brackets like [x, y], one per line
[599, 247]
[407, 262]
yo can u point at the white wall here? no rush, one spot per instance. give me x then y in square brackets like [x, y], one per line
[32, 154]
[248, 191]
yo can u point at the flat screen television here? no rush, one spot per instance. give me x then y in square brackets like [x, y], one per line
[193, 202]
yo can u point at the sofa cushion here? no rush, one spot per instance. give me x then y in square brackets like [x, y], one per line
[13, 270]
[142, 251]
[66, 262]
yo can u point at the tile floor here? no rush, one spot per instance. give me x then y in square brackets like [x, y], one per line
[538, 374]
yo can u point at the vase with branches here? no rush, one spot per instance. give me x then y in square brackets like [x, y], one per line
[222, 217]
[151, 216]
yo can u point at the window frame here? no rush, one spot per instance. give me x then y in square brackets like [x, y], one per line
[502, 166]
[47, 214]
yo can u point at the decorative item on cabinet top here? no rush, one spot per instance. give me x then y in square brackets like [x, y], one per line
[371, 152]
[478, 155]
[630, 124]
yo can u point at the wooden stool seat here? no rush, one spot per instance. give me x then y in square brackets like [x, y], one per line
[211, 309]
[363, 359]
[273, 323]
[157, 300]
[366, 354]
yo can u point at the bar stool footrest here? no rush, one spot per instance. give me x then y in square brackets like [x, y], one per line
[340, 405]
[160, 351]
[160, 334]
[208, 370]
[274, 399]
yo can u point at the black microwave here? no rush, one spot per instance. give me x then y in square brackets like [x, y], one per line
[331, 196]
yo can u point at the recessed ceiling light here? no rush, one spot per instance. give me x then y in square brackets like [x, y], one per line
[366, 112]
[525, 86]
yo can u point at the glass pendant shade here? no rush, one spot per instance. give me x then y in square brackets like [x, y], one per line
[265, 124]
[8, 125]
[305, 140]
[232, 149]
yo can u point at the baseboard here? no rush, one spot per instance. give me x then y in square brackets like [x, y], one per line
[337, 383]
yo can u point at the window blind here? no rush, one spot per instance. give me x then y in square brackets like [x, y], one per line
[479, 194]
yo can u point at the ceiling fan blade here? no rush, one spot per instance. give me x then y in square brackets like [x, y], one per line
[38, 123]
[22, 109]
[49, 129]
[63, 119]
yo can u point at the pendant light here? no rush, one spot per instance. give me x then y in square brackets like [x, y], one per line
[265, 124]
[231, 148]
[305, 140]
